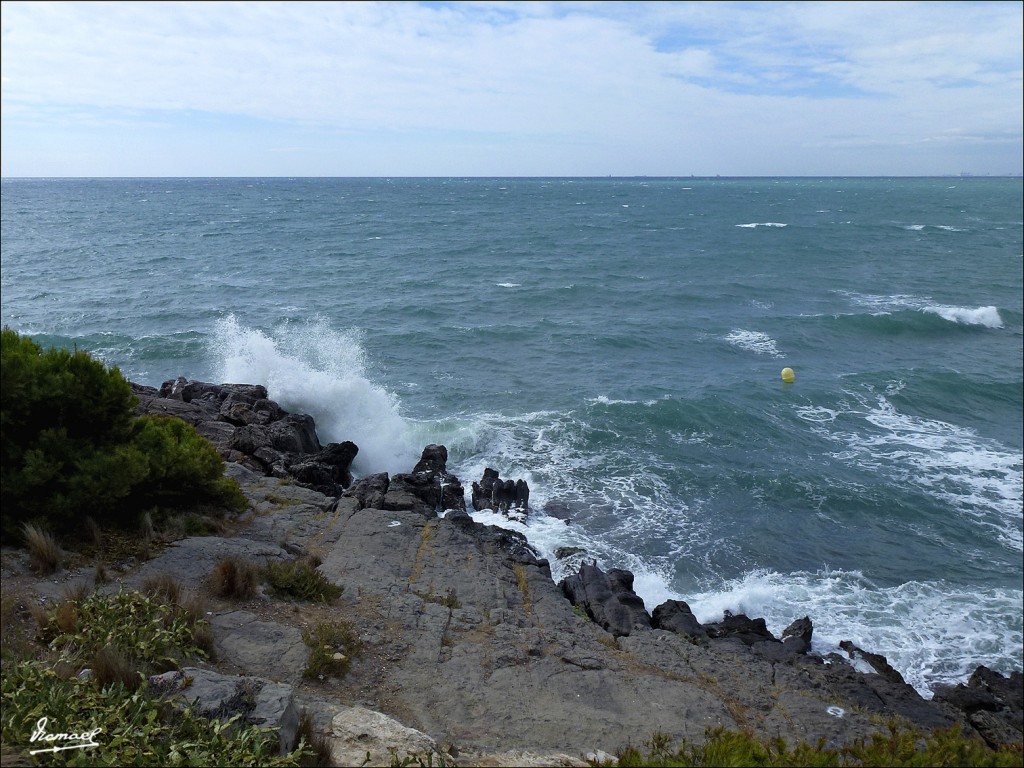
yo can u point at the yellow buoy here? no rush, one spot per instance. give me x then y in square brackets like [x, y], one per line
[788, 376]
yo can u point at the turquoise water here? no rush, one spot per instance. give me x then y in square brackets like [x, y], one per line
[618, 343]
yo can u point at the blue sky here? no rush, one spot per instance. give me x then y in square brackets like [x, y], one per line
[511, 88]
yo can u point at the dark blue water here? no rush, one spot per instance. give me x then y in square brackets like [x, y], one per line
[618, 342]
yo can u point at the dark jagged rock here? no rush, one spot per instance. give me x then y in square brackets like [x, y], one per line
[505, 496]
[558, 510]
[797, 636]
[481, 497]
[370, 490]
[248, 428]
[992, 703]
[676, 616]
[429, 488]
[747, 630]
[875, 660]
[564, 553]
[608, 598]
[328, 470]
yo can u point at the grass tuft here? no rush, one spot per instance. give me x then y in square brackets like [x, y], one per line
[235, 578]
[44, 555]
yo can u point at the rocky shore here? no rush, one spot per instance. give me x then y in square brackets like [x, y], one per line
[469, 649]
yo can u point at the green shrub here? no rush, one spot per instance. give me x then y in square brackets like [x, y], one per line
[72, 447]
[332, 646]
[901, 746]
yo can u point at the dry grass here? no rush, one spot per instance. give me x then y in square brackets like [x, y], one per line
[235, 578]
[95, 534]
[163, 587]
[110, 666]
[317, 742]
[44, 555]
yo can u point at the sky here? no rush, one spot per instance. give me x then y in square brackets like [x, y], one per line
[511, 89]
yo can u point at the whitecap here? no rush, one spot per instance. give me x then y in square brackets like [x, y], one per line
[509, 285]
[762, 224]
[754, 341]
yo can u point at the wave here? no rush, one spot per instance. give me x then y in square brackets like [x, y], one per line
[986, 316]
[902, 305]
[312, 368]
[930, 319]
[932, 632]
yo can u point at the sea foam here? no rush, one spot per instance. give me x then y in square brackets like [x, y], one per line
[312, 368]
[930, 631]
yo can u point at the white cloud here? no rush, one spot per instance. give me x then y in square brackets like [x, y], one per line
[672, 87]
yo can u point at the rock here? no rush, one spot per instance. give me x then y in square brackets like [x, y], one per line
[564, 553]
[505, 496]
[361, 736]
[328, 470]
[433, 459]
[874, 660]
[747, 630]
[676, 616]
[797, 636]
[993, 704]
[246, 427]
[217, 696]
[370, 490]
[608, 598]
[481, 492]
[429, 488]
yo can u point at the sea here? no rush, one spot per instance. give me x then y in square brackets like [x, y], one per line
[618, 343]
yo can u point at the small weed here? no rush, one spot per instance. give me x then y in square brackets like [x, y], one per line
[300, 580]
[332, 646]
[449, 599]
[524, 586]
[44, 555]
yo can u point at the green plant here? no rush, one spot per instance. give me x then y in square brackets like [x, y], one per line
[300, 580]
[148, 632]
[332, 646]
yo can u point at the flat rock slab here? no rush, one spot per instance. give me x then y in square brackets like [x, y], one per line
[263, 648]
[192, 560]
